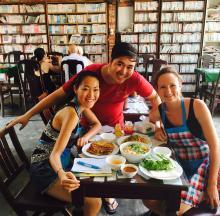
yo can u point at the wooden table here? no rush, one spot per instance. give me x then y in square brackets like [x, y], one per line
[124, 188]
[134, 108]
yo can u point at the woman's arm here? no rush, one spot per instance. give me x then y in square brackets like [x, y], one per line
[204, 117]
[57, 96]
[66, 120]
[95, 127]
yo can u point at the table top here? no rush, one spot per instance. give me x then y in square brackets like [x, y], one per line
[211, 74]
[8, 70]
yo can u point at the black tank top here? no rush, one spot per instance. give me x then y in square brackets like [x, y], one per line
[191, 121]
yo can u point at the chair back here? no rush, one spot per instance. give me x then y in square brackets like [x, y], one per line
[70, 68]
[35, 84]
[206, 61]
[28, 79]
[15, 56]
[13, 161]
[156, 65]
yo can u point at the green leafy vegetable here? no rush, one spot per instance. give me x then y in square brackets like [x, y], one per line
[160, 162]
[137, 148]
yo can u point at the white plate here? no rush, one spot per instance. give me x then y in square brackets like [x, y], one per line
[164, 175]
[85, 147]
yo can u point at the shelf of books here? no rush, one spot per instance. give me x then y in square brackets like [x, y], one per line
[181, 36]
[145, 29]
[84, 24]
[22, 28]
[212, 31]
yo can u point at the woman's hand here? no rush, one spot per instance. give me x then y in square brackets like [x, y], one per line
[82, 141]
[160, 134]
[213, 196]
[23, 120]
[68, 181]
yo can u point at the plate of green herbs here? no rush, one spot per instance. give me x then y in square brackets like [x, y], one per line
[160, 167]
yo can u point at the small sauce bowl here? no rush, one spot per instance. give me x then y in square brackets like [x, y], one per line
[115, 161]
[162, 150]
[129, 170]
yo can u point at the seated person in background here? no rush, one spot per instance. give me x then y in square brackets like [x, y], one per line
[46, 69]
[75, 53]
[52, 159]
[118, 79]
[191, 132]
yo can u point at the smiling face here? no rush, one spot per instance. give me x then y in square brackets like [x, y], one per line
[88, 92]
[169, 87]
[120, 69]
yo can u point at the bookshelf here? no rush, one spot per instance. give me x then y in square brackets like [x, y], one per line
[84, 24]
[172, 30]
[181, 37]
[145, 29]
[212, 30]
[22, 28]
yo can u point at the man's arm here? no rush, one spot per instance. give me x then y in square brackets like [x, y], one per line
[56, 97]
[154, 100]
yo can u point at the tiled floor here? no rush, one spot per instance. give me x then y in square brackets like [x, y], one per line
[28, 137]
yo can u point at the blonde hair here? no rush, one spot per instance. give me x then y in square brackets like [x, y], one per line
[72, 49]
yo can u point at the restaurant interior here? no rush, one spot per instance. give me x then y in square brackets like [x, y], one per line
[183, 34]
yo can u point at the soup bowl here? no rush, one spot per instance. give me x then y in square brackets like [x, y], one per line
[134, 151]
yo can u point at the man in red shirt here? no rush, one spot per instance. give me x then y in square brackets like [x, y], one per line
[118, 80]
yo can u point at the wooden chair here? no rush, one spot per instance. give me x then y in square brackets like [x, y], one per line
[5, 92]
[13, 58]
[71, 68]
[13, 163]
[212, 94]
[34, 84]
[206, 61]
[156, 66]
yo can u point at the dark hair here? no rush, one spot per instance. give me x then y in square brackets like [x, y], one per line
[166, 70]
[82, 75]
[124, 49]
[39, 54]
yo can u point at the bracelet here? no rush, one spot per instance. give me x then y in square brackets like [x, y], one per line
[59, 170]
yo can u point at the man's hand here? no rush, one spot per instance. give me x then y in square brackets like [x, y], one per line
[23, 120]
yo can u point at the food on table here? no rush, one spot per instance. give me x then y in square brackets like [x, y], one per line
[136, 149]
[129, 169]
[158, 162]
[138, 138]
[116, 161]
[118, 130]
[101, 147]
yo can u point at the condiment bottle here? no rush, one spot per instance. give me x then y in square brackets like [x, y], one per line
[118, 131]
[129, 127]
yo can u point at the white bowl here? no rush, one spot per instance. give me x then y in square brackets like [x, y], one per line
[162, 150]
[129, 173]
[132, 156]
[115, 161]
[108, 136]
